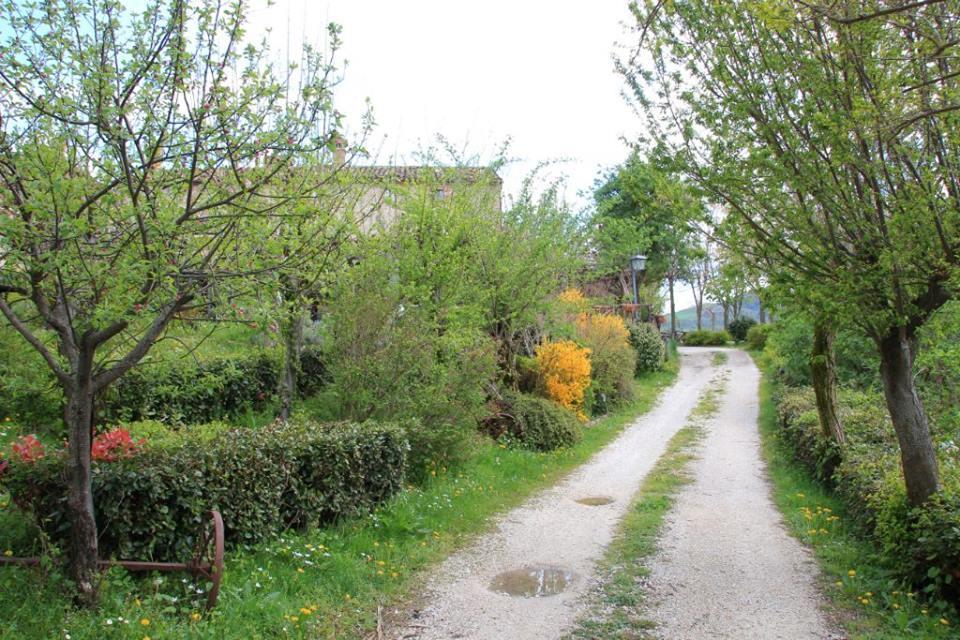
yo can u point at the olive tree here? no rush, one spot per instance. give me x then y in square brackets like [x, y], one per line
[830, 132]
[141, 156]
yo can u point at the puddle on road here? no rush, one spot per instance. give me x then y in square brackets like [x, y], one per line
[532, 582]
[596, 501]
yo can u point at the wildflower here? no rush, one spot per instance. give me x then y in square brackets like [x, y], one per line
[299, 569]
[294, 618]
[852, 573]
[800, 495]
[896, 606]
[839, 583]
[346, 596]
[305, 611]
[195, 616]
[945, 622]
[8, 553]
[145, 622]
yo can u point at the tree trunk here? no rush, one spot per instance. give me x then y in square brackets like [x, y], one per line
[726, 316]
[84, 552]
[673, 311]
[917, 455]
[762, 313]
[293, 345]
[823, 372]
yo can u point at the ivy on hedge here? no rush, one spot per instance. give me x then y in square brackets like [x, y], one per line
[262, 482]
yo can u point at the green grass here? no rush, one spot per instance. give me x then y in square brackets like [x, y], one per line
[864, 596]
[325, 583]
[720, 358]
[617, 611]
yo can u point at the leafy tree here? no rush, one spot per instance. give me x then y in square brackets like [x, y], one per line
[830, 132]
[642, 207]
[140, 157]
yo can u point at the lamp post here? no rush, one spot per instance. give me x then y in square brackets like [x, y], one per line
[637, 264]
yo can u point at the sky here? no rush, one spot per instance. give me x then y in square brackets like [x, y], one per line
[539, 73]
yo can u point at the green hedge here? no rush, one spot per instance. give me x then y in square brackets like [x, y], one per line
[187, 392]
[757, 336]
[706, 338]
[923, 543]
[537, 423]
[646, 341]
[262, 481]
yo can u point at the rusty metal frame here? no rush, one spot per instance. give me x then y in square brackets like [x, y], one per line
[206, 563]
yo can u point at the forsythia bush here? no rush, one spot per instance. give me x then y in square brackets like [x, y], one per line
[612, 358]
[564, 368]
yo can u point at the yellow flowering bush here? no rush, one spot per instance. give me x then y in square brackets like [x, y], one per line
[612, 358]
[564, 370]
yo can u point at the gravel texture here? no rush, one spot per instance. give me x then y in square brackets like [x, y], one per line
[553, 530]
[726, 567]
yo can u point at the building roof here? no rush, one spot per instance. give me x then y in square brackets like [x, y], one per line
[408, 174]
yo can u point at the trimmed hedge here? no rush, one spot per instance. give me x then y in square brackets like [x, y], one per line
[706, 338]
[646, 341]
[536, 423]
[922, 543]
[757, 336]
[186, 392]
[262, 481]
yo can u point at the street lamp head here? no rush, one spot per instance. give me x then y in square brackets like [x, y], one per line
[638, 262]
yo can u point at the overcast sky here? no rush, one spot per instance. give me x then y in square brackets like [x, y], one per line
[536, 71]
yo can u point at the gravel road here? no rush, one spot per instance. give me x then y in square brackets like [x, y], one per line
[727, 568]
[552, 530]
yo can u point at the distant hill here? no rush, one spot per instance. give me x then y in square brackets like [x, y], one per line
[687, 318]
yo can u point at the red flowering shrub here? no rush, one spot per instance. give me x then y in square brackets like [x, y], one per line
[111, 445]
[28, 449]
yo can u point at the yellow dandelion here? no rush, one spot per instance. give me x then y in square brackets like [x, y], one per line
[145, 622]
[944, 622]
[852, 573]
[299, 569]
[8, 553]
[305, 611]
[294, 618]
[194, 616]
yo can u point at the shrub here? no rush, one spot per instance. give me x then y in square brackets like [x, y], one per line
[922, 544]
[184, 392]
[539, 424]
[738, 328]
[613, 361]
[564, 369]
[757, 336]
[262, 481]
[313, 371]
[706, 338]
[29, 393]
[648, 345]
[443, 445]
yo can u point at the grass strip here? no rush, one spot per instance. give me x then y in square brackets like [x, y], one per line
[617, 610]
[325, 583]
[864, 596]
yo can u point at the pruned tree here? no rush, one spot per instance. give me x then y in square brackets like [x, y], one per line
[830, 132]
[140, 156]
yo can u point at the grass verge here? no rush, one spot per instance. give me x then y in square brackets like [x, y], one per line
[616, 610]
[865, 598]
[325, 583]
